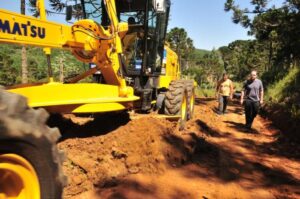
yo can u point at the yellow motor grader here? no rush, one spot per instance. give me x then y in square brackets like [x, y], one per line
[124, 43]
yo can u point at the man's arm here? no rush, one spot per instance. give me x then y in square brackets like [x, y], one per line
[231, 90]
[261, 94]
[243, 93]
[261, 97]
[242, 97]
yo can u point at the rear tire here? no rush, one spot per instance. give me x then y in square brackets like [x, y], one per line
[176, 101]
[23, 133]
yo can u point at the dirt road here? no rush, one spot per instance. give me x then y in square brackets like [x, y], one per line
[214, 157]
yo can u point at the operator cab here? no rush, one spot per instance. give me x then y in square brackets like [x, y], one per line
[144, 57]
[143, 45]
[144, 42]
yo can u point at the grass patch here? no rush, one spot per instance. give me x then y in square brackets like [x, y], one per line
[205, 92]
[283, 104]
[238, 86]
[286, 89]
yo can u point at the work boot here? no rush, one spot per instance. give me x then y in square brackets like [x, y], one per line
[248, 127]
[219, 113]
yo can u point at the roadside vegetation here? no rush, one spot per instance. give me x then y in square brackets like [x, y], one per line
[63, 63]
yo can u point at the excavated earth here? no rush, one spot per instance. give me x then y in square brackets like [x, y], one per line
[125, 155]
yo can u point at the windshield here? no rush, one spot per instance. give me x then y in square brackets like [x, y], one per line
[131, 11]
[144, 40]
[93, 9]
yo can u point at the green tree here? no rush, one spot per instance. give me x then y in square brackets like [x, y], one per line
[277, 28]
[205, 67]
[58, 7]
[240, 57]
[181, 44]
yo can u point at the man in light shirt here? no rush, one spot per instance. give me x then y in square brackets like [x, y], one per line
[224, 91]
[252, 97]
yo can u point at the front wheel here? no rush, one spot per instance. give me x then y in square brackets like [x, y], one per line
[176, 101]
[30, 163]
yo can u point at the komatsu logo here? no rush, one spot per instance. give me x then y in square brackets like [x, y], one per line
[22, 29]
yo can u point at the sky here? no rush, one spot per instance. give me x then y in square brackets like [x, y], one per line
[205, 21]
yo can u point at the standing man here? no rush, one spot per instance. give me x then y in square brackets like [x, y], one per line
[253, 94]
[224, 90]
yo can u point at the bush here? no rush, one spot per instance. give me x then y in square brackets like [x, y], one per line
[286, 90]
[283, 104]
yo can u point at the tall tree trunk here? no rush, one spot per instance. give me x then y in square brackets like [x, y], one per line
[61, 69]
[187, 64]
[24, 66]
[268, 67]
[180, 64]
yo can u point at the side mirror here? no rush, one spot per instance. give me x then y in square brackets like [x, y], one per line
[69, 12]
[160, 6]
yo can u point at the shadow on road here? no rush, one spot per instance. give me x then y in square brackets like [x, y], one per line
[213, 163]
[128, 188]
[219, 162]
[241, 127]
[202, 101]
[208, 130]
[99, 124]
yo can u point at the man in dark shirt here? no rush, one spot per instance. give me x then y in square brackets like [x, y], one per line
[252, 97]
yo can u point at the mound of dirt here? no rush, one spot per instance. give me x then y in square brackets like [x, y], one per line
[141, 146]
[140, 156]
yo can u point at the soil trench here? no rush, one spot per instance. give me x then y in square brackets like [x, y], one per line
[139, 156]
